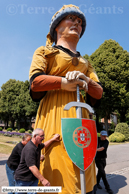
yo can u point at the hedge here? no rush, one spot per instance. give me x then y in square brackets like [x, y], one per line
[116, 137]
[124, 129]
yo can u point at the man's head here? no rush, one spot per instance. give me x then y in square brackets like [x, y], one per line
[25, 139]
[64, 12]
[38, 136]
[103, 135]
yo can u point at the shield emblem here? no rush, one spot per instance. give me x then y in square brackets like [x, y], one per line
[80, 140]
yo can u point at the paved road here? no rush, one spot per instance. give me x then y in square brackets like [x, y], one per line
[117, 169]
[3, 178]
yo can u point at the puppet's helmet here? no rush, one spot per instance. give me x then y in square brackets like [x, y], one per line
[63, 12]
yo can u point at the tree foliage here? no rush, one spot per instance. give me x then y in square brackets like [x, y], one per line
[111, 63]
[15, 102]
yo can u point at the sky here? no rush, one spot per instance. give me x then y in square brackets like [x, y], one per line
[24, 25]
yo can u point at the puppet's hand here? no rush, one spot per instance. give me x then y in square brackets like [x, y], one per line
[72, 75]
[72, 84]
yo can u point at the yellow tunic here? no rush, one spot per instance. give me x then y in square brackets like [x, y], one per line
[58, 168]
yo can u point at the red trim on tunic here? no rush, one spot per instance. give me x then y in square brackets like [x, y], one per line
[94, 89]
[45, 83]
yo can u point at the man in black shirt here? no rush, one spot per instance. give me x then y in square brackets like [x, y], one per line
[100, 160]
[27, 173]
[14, 159]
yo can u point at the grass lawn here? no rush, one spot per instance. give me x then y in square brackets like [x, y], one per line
[8, 143]
[5, 149]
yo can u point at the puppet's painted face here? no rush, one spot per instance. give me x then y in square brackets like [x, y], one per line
[71, 25]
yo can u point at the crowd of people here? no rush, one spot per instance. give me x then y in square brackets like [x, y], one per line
[54, 75]
[26, 166]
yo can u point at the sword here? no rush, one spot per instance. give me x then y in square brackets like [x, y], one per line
[78, 106]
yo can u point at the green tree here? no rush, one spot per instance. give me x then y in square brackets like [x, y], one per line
[111, 63]
[16, 103]
[86, 56]
[8, 105]
[26, 105]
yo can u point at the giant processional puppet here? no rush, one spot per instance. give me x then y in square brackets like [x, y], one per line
[55, 72]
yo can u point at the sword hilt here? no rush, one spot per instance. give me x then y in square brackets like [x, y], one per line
[79, 104]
